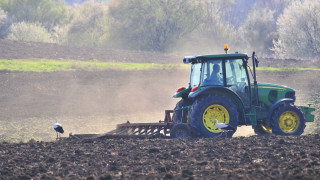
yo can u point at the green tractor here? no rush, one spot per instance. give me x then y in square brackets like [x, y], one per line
[220, 89]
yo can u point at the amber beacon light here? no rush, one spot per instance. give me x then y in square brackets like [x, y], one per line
[226, 48]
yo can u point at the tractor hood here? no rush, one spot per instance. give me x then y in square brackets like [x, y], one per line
[265, 86]
[270, 93]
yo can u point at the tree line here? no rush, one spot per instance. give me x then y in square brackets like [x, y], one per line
[279, 28]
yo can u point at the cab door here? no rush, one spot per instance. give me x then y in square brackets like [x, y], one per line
[237, 79]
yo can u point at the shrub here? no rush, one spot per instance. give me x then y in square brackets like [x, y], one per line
[151, 24]
[49, 13]
[59, 34]
[24, 31]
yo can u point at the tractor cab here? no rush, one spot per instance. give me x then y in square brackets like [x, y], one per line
[224, 71]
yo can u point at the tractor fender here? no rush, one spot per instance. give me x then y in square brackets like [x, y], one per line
[276, 105]
[220, 90]
[183, 93]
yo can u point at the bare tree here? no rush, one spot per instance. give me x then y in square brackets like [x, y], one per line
[299, 31]
[5, 23]
[259, 30]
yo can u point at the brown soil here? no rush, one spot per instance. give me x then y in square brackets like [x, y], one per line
[94, 102]
[31, 50]
[219, 158]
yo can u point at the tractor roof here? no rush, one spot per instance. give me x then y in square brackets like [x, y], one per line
[199, 59]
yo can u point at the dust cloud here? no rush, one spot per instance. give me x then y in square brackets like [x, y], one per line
[94, 102]
[89, 102]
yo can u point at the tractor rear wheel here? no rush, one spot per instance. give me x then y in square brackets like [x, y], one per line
[288, 120]
[177, 111]
[262, 130]
[206, 110]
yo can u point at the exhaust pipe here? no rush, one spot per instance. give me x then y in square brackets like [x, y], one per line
[255, 63]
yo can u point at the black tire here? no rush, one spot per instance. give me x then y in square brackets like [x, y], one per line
[288, 120]
[180, 131]
[177, 112]
[219, 106]
[261, 130]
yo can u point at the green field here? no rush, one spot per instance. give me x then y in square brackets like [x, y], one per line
[64, 65]
[287, 69]
[48, 65]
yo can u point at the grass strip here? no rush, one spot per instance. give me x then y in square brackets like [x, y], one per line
[286, 69]
[48, 65]
[64, 65]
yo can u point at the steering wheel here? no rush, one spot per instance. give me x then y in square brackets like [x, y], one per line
[230, 80]
[242, 87]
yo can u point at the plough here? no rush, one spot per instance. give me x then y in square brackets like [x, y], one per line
[140, 130]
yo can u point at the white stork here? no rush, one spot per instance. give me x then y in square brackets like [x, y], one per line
[224, 127]
[58, 128]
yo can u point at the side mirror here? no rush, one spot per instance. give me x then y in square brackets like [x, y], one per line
[257, 62]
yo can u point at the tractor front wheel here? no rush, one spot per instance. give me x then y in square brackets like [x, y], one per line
[206, 110]
[288, 120]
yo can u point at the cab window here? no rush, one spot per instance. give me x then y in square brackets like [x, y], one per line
[212, 73]
[195, 75]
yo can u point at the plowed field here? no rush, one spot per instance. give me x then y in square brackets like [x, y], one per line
[237, 158]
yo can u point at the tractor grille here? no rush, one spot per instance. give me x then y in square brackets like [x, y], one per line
[291, 95]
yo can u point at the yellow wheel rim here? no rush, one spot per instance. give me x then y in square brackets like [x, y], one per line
[212, 113]
[289, 121]
[266, 129]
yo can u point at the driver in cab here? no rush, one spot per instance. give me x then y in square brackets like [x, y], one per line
[215, 78]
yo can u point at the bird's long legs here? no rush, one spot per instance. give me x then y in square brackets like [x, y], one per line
[57, 136]
[225, 132]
